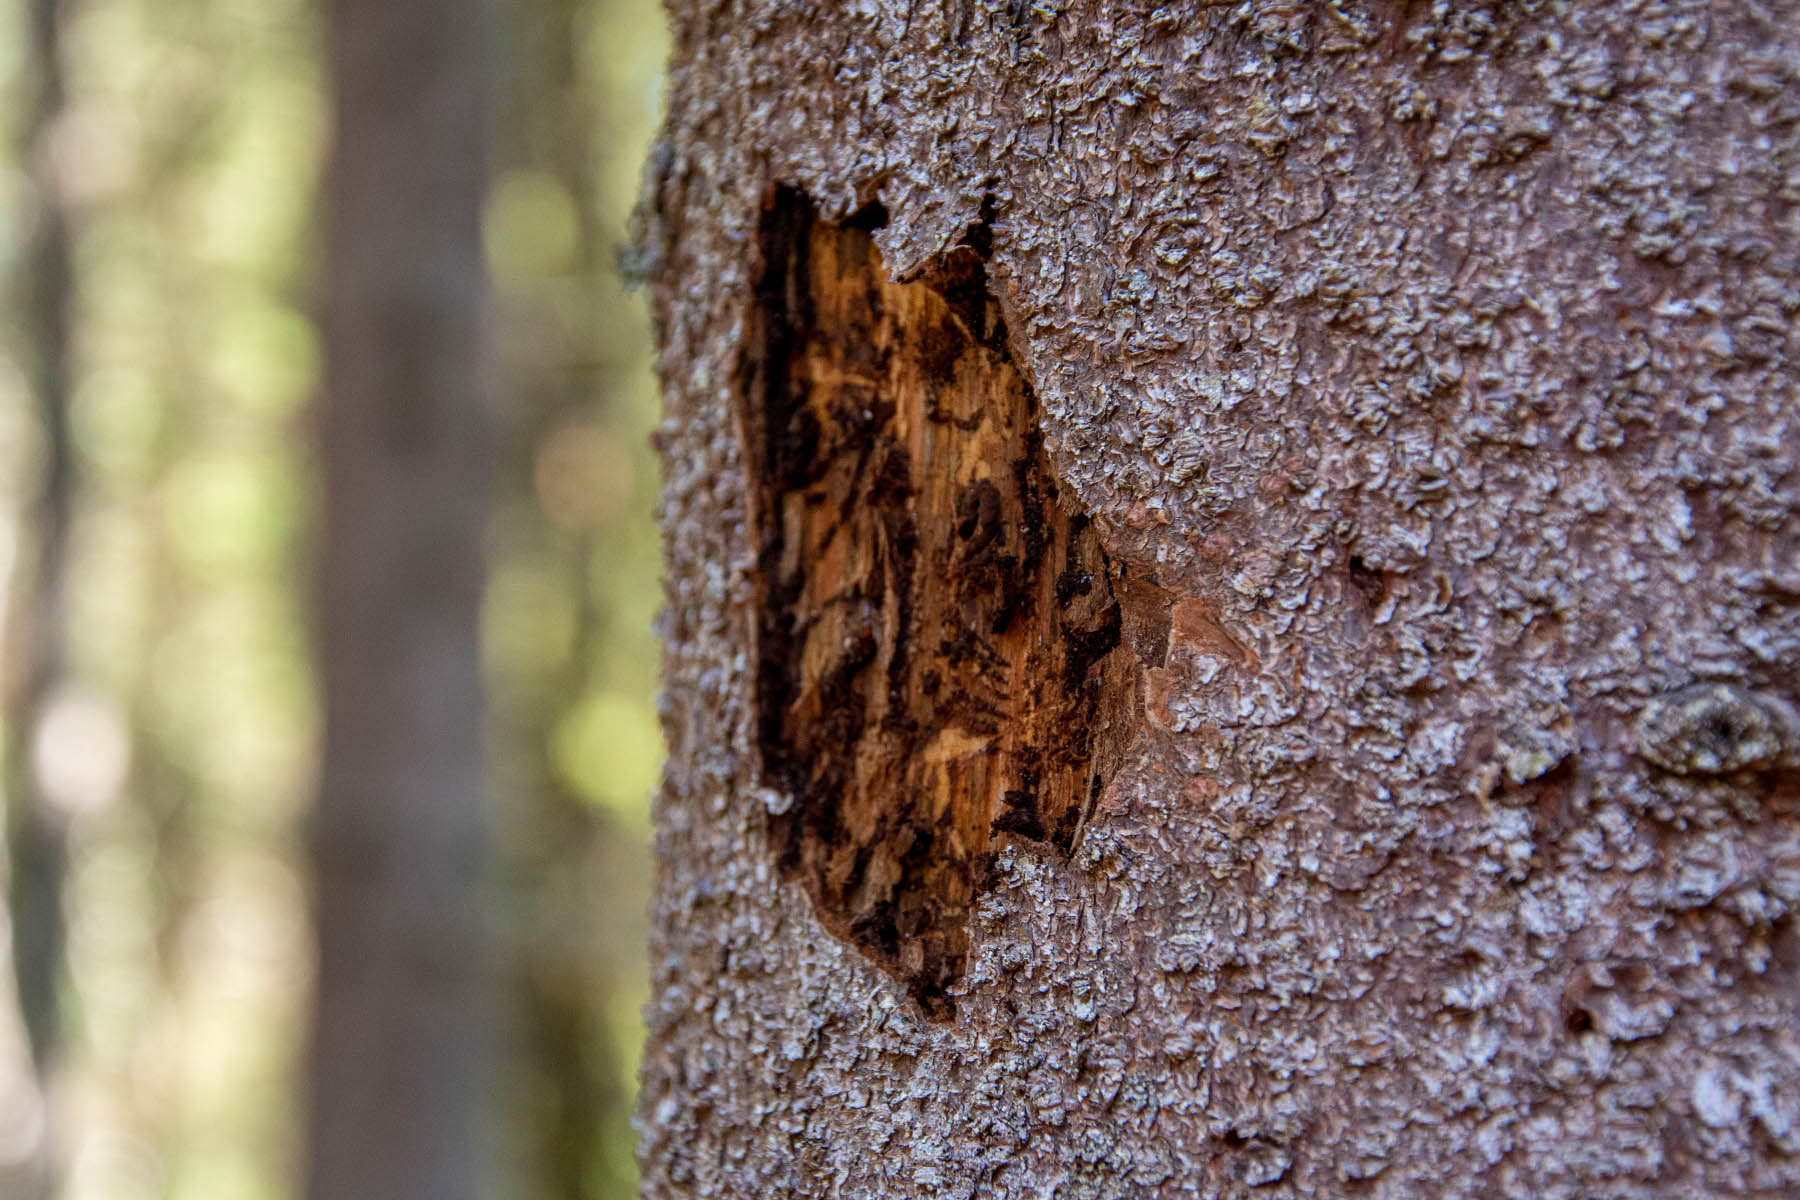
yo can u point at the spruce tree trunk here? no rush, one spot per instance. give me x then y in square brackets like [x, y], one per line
[1233, 600]
[34, 652]
[398, 1074]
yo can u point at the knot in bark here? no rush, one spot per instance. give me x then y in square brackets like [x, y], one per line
[1714, 729]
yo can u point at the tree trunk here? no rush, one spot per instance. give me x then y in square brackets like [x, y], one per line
[398, 1078]
[34, 665]
[1233, 594]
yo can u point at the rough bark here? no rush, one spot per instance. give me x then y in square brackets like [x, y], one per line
[398, 1078]
[1427, 373]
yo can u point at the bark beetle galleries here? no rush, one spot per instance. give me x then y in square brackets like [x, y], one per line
[937, 625]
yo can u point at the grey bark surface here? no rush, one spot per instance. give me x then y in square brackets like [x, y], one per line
[398, 1074]
[1437, 362]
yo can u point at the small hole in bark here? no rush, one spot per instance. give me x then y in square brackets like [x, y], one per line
[936, 619]
[1579, 1021]
[1722, 733]
[1368, 582]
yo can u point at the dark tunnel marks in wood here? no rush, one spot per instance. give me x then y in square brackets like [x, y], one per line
[937, 622]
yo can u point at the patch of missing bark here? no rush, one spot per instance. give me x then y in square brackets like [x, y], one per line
[937, 625]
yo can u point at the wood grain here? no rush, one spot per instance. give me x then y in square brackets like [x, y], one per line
[937, 624]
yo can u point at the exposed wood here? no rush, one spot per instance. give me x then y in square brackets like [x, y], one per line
[937, 623]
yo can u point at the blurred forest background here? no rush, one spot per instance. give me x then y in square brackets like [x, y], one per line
[158, 502]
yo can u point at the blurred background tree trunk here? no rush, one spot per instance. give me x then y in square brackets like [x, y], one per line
[170, 767]
[1232, 600]
[34, 664]
[400, 1064]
